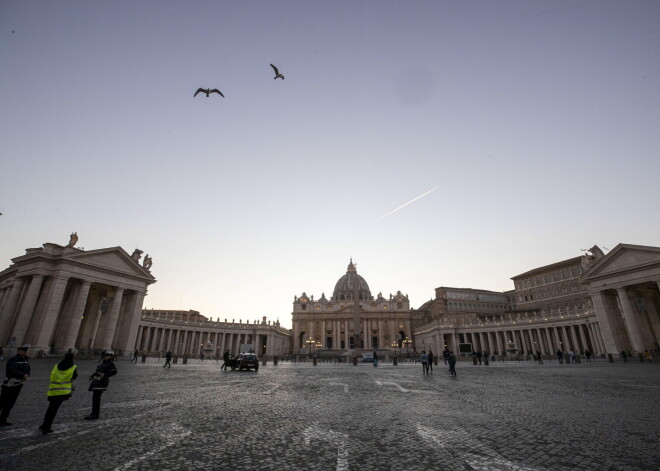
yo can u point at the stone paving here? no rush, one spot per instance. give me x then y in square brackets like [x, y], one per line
[506, 416]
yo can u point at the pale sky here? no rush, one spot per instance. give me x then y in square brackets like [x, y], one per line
[537, 121]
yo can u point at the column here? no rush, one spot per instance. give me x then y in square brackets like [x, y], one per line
[138, 339]
[147, 340]
[113, 315]
[53, 304]
[130, 321]
[585, 344]
[7, 316]
[27, 309]
[75, 318]
[631, 321]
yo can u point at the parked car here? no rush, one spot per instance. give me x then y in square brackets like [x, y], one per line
[368, 357]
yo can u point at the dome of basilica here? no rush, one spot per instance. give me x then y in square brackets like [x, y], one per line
[344, 287]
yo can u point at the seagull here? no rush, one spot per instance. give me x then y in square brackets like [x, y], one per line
[208, 91]
[277, 73]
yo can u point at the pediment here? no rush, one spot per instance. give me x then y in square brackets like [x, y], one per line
[624, 258]
[114, 259]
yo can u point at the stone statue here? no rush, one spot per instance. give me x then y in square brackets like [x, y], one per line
[147, 262]
[137, 254]
[73, 239]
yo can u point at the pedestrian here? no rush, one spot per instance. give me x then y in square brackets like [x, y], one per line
[225, 359]
[375, 358]
[538, 357]
[445, 355]
[452, 363]
[17, 373]
[202, 357]
[424, 359]
[479, 357]
[168, 359]
[100, 382]
[571, 355]
[135, 356]
[431, 360]
[624, 356]
[59, 389]
[560, 356]
[587, 354]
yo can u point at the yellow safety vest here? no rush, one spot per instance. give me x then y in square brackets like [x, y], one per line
[60, 381]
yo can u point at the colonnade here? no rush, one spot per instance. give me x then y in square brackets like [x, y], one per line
[629, 316]
[577, 336]
[210, 340]
[56, 312]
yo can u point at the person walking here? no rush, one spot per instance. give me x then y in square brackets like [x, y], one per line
[225, 359]
[445, 355]
[59, 389]
[624, 356]
[424, 359]
[560, 356]
[135, 356]
[431, 360]
[538, 357]
[452, 363]
[375, 358]
[100, 381]
[17, 372]
[587, 354]
[168, 359]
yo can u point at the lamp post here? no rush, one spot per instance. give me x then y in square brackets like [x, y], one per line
[407, 341]
[310, 343]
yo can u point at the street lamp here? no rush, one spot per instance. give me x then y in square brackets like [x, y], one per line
[407, 341]
[310, 343]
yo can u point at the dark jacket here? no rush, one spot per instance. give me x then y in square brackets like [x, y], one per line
[100, 378]
[17, 368]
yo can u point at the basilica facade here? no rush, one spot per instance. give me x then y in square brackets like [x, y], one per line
[328, 326]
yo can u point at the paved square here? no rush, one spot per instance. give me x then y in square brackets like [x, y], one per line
[506, 416]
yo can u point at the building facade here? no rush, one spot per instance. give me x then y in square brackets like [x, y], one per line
[327, 326]
[192, 334]
[603, 303]
[59, 297]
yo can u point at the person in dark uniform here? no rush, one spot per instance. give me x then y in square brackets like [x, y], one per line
[59, 390]
[225, 357]
[452, 363]
[100, 382]
[168, 359]
[17, 372]
[135, 356]
[431, 360]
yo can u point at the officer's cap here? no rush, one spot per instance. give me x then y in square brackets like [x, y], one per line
[109, 353]
[24, 347]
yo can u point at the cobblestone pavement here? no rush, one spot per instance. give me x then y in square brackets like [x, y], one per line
[506, 416]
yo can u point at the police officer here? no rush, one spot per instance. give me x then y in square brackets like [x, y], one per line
[100, 382]
[59, 390]
[18, 371]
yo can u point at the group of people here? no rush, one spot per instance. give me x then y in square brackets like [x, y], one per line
[426, 359]
[60, 387]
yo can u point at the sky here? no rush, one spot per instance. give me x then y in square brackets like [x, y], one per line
[524, 131]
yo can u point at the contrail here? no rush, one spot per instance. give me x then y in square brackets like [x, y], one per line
[406, 204]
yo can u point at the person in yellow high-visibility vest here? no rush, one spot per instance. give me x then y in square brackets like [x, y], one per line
[59, 389]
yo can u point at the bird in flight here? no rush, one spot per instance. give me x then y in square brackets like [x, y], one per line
[208, 91]
[277, 73]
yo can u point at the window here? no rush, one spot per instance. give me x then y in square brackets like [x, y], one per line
[304, 307]
[399, 305]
